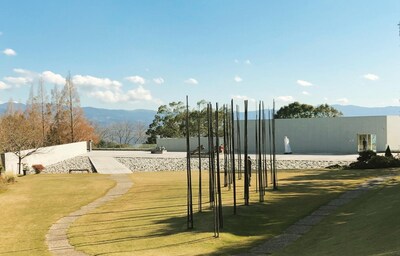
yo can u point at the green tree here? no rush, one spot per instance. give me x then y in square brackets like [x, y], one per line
[325, 110]
[170, 121]
[297, 110]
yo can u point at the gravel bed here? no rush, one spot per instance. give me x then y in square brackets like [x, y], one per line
[179, 164]
[78, 162]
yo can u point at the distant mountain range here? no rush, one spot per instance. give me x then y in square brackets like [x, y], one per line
[106, 116]
[351, 110]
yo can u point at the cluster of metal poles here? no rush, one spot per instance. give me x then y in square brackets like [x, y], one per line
[221, 123]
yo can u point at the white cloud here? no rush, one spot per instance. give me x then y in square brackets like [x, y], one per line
[18, 80]
[9, 52]
[95, 82]
[305, 93]
[247, 62]
[343, 100]
[285, 98]
[304, 83]
[191, 81]
[158, 80]
[52, 78]
[136, 79]
[4, 85]
[371, 77]
[138, 94]
[108, 96]
[238, 79]
[242, 98]
[23, 72]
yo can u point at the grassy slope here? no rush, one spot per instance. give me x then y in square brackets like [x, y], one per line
[368, 226]
[30, 206]
[151, 220]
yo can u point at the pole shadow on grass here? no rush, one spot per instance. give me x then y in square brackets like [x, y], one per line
[261, 220]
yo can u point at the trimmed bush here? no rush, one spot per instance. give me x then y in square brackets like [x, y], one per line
[369, 160]
[388, 152]
[365, 156]
[38, 168]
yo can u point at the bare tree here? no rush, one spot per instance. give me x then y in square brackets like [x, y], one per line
[57, 116]
[44, 107]
[139, 133]
[17, 135]
[72, 105]
[122, 132]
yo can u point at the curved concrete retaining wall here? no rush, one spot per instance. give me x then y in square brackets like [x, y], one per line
[45, 156]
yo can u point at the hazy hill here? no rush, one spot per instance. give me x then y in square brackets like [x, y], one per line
[351, 110]
[105, 116]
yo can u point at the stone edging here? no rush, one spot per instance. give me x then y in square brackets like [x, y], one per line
[57, 239]
[305, 224]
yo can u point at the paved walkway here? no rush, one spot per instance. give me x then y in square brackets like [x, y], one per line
[108, 165]
[57, 239]
[304, 225]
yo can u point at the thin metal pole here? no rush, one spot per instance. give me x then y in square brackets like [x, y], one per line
[233, 159]
[257, 147]
[260, 171]
[210, 178]
[189, 173]
[239, 144]
[221, 223]
[198, 140]
[275, 185]
[224, 126]
[246, 165]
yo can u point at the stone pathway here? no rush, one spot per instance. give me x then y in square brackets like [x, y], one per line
[57, 239]
[304, 225]
[108, 165]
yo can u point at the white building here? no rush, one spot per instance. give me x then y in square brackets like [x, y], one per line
[337, 135]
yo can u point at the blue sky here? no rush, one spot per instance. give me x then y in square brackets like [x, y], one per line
[140, 54]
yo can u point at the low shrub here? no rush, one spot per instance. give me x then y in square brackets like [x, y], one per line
[38, 168]
[388, 152]
[365, 156]
[370, 160]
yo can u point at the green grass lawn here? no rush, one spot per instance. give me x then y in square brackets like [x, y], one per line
[31, 205]
[151, 218]
[370, 225]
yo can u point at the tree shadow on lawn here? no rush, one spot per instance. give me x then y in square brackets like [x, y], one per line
[259, 220]
[297, 197]
[341, 176]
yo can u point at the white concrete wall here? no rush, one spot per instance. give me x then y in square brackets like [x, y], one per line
[314, 135]
[329, 135]
[393, 124]
[45, 156]
[179, 144]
